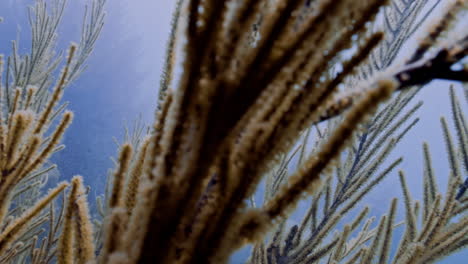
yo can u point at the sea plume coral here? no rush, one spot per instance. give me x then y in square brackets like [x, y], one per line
[237, 105]
[179, 195]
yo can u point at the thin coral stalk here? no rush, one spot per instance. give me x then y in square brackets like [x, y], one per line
[14, 229]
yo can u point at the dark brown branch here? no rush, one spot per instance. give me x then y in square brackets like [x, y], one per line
[418, 73]
[438, 67]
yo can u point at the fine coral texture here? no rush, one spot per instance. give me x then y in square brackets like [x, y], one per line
[261, 81]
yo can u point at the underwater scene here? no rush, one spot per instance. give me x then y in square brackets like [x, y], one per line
[233, 131]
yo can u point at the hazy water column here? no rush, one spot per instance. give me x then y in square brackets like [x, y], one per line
[120, 83]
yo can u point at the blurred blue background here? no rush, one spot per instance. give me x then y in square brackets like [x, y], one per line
[121, 82]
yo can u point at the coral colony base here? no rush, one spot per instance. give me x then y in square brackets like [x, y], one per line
[263, 84]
